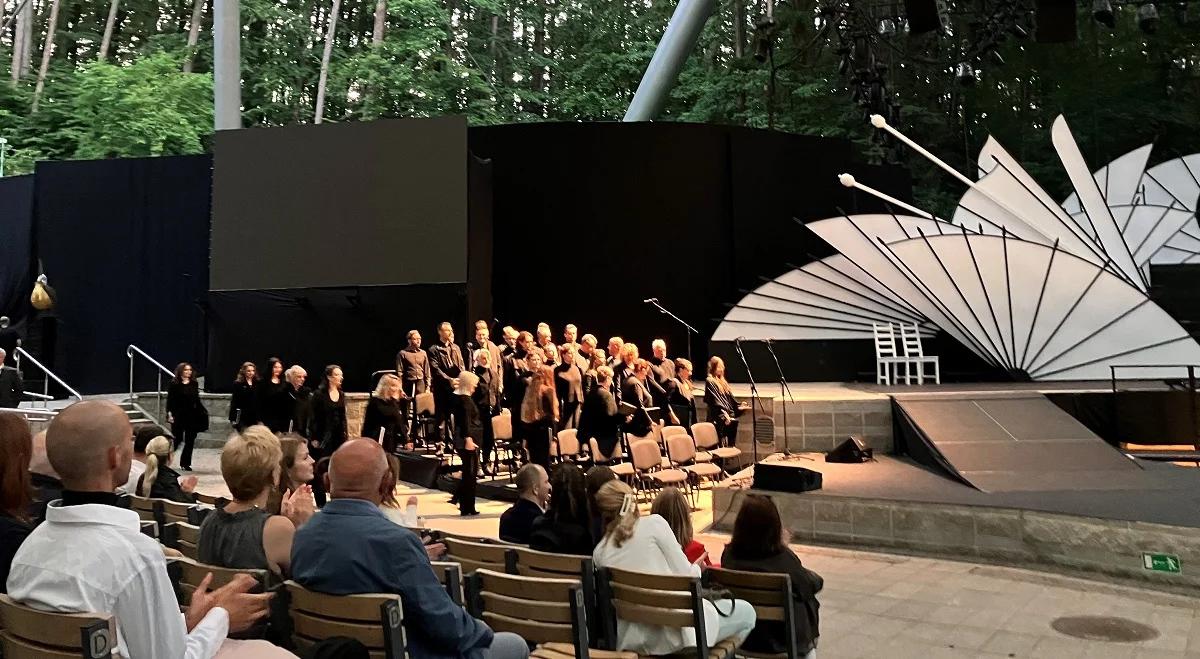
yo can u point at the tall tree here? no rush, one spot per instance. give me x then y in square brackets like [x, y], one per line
[108, 29]
[193, 34]
[380, 23]
[47, 50]
[324, 77]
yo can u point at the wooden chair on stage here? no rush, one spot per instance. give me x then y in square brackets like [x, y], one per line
[914, 356]
[502, 435]
[27, 633]
[423, 419]
[621, 469]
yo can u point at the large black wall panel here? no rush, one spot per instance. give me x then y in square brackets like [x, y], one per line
[16, 247]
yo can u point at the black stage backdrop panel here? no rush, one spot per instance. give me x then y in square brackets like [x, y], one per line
[355, 204]
[125, 245]
[359, 328]
[16, 248]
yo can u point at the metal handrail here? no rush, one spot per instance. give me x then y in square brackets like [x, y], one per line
[49, 376]
[34, 394]
[129, 352]
[28, 412]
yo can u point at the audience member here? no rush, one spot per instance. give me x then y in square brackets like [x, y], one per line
[301, 399]
[600, 418]
[672, 505]
[243, 407]
[352, 548]
[243, 534]
[647, 545]
[137, 466]
[568, 387]
[327, 424]
[539, 413]
[468, 426]
[406, 516]
[159, 481]
[274, 403]
[46, 484]
[90, 555]
[12, 390]
[597, 476]
[533, 488]
[16, 446]
[760, 544]
[565, 527]
[295, 471]
[723, 408]
[185, 413]
[383, 420]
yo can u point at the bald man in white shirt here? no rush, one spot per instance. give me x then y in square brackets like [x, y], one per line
[90, 556]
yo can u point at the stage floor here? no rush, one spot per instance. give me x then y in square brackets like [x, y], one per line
[864, 391]
[1166, 494]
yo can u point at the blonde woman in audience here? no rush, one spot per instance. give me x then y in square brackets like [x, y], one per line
[243, 534]
[672, 505]
[159, 481]
[295, 471]
[647, 545]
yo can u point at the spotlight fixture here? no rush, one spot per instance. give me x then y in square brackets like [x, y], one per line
[1147, 18]
[1102, 11]
[964, 73]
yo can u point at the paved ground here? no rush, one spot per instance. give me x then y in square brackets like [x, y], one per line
[888, 606]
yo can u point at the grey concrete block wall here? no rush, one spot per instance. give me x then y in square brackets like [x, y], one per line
[818, 426]
[1049, 541]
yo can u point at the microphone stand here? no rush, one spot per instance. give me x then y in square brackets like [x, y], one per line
[690, 330]
[783, 389]
[737, 344]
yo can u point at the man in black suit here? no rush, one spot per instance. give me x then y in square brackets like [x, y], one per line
[11, 387]
[533, 486]
[662, 371]
[445, 364]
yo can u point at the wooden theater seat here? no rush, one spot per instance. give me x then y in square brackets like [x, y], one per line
[769, 594]
[479, 556]
[375, 620]
[655, 599]
[27, 633]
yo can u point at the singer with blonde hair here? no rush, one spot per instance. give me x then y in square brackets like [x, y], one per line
[384, 418]
[648, 545]
[159, 481]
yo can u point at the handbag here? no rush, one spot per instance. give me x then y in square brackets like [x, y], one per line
[201, 417]
[716, 594]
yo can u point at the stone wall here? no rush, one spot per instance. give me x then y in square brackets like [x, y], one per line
[1025, 538]
[818, 426]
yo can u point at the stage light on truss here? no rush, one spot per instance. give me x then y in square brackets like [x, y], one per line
[1147, 18]
[1102, 11]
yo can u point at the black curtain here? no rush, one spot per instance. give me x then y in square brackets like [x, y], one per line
[125, 245]
[16, 249]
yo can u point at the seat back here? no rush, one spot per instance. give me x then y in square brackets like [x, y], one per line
[192, 572]
[600, 457]
[450, 574]
[502, 427]
[174, 511]
[651, 599]
[568, 443]
[910, 340]
[885, 339]
[425, 404]
[27, 633]
[668, 431]
[538, 609]
[210, 500]
[680, 448]
[769, 594]
[187, 538]
[646, 454]
[147, 509]
[479, 556]
[705, 434]
[375, 620]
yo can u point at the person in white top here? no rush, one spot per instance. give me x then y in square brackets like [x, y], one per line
[89, 556]
[647, 544]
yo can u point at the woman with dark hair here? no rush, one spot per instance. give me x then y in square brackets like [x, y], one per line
[723, 408]
[681, 394]
[539, 415]
[564, 527]
[243, 407]
[568, 385]
[600, 418]
[274, 403]
[759, 544]
[327, 423]
[597, 476]
[185, 412]
[16, 448]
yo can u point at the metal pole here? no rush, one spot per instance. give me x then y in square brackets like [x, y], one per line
[677, 43]
[3, 149]
[227, 65]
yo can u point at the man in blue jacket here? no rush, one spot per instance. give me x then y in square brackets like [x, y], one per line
[351, 548]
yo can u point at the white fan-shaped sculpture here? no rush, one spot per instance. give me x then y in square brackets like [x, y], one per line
[1043, 290]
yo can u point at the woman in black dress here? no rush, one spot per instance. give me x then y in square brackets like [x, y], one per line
[539, 415]
[327, 423]
[185, 412]
[681, 395]
[600, 418]
[723, 408]
[243, 408]
[568, 385]
[468, 433]
[274, 404]
[384, 418]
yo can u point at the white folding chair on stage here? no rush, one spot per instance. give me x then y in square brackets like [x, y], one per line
[914, 356]
[502, 434]
[886, 356]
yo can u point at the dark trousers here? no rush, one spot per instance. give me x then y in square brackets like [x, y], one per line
[568, 414]
[465, 494]
[728, 433]
[488, 442]
[442, 413]
[412, 388]
[185, 437]
[537, 439]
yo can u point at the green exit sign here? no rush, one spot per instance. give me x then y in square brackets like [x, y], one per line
[1162, 563]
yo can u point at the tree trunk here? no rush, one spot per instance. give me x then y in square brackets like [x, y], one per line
[47, 50]
[739, 27]
[27, 18]
[18, 48]
[193, 33]
[333, 17]
[380, 23]
[495, 45]
[451, 8]
[106, 40]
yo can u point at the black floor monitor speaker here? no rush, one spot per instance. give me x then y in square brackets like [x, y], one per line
[418, 469]
[853, 449]
[785, 477]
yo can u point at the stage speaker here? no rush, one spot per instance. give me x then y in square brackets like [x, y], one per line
[923, 15]
[853, 449]
[1055, 21]
[785, 477]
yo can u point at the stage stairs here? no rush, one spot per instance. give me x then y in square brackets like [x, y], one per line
[1009, 442]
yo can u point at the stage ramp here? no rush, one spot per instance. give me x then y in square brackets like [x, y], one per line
[1011, 443]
